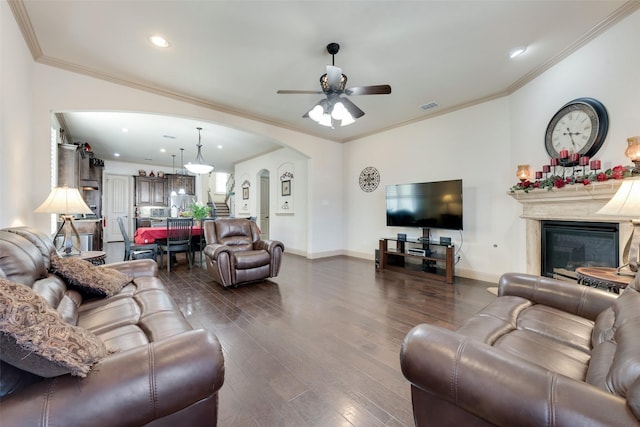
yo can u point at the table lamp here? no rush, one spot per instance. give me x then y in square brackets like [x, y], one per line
[626, 203]
[65, 201]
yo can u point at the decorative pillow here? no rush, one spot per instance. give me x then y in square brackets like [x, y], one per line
[87, 278]
[34, 339]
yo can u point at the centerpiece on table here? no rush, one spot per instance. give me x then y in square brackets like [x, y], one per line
[199, 210]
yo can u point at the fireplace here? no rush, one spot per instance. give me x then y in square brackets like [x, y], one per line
[567, 245]
[572, 203]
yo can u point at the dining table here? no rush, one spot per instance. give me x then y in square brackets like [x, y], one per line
[144, 235]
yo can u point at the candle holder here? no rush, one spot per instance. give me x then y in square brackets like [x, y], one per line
[633, 152]
[523, 173]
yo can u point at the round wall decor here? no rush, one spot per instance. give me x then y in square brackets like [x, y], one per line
[369, 179]
[580, 126]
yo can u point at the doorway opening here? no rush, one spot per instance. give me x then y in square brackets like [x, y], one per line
[264, 205]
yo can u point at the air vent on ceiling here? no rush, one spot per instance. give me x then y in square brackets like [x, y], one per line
[429, 105]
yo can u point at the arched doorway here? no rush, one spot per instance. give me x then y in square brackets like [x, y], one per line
[264, 205]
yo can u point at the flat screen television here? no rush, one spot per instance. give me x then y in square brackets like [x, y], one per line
[425, 205]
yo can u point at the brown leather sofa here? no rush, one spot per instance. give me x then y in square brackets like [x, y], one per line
[235, 253]
[544, 353]
[163, 373]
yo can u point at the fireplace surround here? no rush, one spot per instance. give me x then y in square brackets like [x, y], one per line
[571, 203]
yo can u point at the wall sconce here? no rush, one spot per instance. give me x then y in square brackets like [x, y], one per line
[633, 151]
[523, 173]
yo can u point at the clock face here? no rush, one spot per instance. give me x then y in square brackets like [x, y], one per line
[369, 179]
[579, 127]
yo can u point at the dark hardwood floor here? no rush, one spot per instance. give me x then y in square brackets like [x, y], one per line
[319, 345]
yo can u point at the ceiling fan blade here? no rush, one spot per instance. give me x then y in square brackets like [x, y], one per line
[369, 90]
[352, 108]
[333, 76]
[294, 92]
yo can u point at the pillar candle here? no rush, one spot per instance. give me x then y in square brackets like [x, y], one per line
[564, 154]
[595, 164]
[574, 157]
[546, 168]
[584, 160]
[554, 161]
[538, 175]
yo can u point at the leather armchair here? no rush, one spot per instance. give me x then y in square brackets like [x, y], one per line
[545, 352]
[235, 253]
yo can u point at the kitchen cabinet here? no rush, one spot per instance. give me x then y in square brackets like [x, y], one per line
[177, 181]
[150, 191]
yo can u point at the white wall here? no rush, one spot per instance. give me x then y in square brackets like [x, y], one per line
[483, 145]
[17, 171]
[291, 227]
[472, 144]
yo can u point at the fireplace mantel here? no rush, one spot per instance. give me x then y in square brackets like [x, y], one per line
[573, 202]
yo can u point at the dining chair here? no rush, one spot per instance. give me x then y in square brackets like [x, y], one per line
[199, 242]
[133, 251]
[179, 231]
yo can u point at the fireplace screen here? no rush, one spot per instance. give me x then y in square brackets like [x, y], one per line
[567, 245]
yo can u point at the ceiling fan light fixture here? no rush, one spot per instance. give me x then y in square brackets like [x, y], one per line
[199, 166]
[347, 121]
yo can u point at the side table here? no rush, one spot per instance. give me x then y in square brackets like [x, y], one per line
[603, 277]
[94, 257]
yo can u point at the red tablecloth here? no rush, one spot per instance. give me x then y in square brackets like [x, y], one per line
[150, 234]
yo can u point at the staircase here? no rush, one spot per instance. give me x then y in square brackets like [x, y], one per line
[222, 210]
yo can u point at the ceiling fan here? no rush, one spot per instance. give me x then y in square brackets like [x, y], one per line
[336, 107]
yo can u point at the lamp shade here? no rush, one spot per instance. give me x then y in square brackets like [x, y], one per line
[64, 200]
[626, 201]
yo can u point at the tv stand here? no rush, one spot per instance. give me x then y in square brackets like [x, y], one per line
[418, 257]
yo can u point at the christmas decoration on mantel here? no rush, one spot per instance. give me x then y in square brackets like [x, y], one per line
[568, 170]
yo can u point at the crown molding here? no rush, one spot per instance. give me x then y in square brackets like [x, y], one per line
[24, 23]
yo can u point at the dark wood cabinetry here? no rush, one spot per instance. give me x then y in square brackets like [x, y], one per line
[177, 181]
[418, 257]
[151, 191]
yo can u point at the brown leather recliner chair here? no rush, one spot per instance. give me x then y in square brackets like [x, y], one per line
[235, 253]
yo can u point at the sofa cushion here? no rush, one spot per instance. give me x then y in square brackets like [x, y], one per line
[34, 339]
[615, 358]
[87, 278]
[251, 259]
[20, 261]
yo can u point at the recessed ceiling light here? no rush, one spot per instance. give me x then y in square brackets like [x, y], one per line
[162, 150]
[220, 147]
[517, 51]
[159, 41]
[125, 130]
[116, 154]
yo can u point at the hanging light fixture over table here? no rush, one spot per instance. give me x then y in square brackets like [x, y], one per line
[199, 166]
[173, 166]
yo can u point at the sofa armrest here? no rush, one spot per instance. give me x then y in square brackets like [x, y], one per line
[269, 245]
[583, 301]
[213, 250]
[501, 389]
[135, 268]
[129, 388]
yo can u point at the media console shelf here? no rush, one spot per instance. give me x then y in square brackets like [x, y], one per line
[419, 257]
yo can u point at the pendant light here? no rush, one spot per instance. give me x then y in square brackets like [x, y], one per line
[173, 166]
[199, 166]
[181, 190]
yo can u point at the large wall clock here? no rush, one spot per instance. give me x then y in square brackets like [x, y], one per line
[580, 126]
[369, 179]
